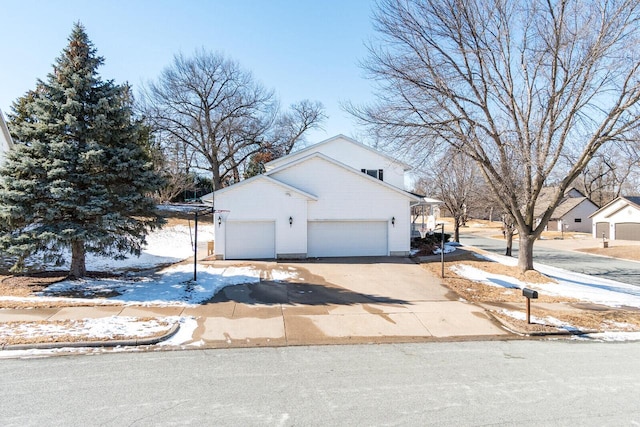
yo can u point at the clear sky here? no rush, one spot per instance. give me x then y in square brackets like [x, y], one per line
[303, 49]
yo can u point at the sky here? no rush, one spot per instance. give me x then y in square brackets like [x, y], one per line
[303, 49]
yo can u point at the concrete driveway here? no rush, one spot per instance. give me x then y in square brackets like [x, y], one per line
[338, 301]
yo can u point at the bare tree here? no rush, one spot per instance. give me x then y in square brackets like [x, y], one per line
[172, 160]
[454, 178]
[212, 106]
[220, 113]
[288, 131]
[609, 172]
[513, 85]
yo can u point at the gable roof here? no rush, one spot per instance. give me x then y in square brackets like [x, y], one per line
[209, 197]
[634, 199]
[566, 204]
[314, 147]
[630, 200]
[358, 173]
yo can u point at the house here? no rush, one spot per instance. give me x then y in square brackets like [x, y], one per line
[425, 215]
[572, 213]
[334, 198]
[6, 143]
[618, 219]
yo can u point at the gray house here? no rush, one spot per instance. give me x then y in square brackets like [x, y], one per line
[573, 213]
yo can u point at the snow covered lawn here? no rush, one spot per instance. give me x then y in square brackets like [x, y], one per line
[564, 284]
[109, 328]
[561, 286]
[171, 286]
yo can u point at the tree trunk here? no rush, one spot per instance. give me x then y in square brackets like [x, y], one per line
[525, 251]
[456, 229]
[509, 237]
[78, 266]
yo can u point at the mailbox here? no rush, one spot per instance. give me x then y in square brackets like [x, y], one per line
[529, 293]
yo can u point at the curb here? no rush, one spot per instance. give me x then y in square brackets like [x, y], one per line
[84, 344]
[514, 329]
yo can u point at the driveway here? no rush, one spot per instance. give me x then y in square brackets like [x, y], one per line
[338, 301]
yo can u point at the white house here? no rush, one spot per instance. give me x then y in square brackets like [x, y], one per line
[618, 219]
[573, 213]
[6, 143]
[335, 198]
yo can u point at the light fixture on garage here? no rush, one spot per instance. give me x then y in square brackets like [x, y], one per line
[393, 221]
[290, 221]
[219, 220]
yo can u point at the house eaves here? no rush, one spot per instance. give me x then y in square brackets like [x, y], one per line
[209, 197]
[311, 149]
[567, 206]
[633, 201]
[358, 173]
[5, 131]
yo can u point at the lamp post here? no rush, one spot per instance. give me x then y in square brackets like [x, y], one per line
[195, 240]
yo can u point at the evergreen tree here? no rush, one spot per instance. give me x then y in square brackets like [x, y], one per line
[79, 177]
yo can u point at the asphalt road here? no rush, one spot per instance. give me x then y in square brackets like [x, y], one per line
[464, 383]
[610, 268]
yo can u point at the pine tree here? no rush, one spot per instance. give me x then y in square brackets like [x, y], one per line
[79, 177]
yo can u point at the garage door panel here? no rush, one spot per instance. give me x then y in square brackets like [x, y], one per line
[347, 238]
[627, 231]
[602, 228]
[250, 240]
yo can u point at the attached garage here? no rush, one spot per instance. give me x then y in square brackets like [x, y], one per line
[347, 238]
[621, 217]
[250, 240]
[627, 231]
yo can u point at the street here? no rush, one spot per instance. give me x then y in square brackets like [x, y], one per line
[610, 268]
[455, 383]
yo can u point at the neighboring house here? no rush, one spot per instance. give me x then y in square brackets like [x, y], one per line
[335, 198]
[6, 143]
[618, 219]
[573, 213]
[424, 215]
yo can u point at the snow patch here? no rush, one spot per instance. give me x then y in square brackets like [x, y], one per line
[172, 286]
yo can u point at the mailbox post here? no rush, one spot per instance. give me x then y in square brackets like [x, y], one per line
[529, 294]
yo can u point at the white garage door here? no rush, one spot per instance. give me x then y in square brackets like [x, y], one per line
[250, 240]
[347, 238]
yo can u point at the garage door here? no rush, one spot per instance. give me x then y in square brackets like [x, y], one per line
[347, 238]
[250, 240]
[628, 231]
[602, 228]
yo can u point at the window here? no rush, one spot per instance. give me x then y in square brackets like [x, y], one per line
[376, 173]
[577, 220]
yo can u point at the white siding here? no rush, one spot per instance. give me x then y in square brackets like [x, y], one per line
[357, 157]
[264, 201]
[345, 195]
[582, 212]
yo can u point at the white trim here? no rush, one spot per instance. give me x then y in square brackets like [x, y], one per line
[608, 205]
[345, 167]
[279, 161]
[209, 197]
